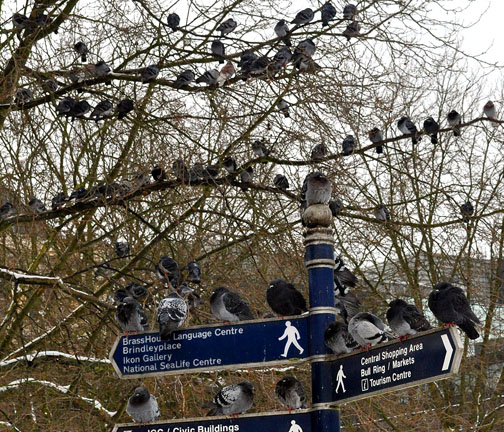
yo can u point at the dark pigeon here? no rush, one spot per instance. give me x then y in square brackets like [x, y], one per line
[368, 330]
[282, 31]
[102, 110]
[181, 171]
[431, 127]
[328, 12]
[405, 319]
[467, 210]
[131, 316]
[36, 206]
[259, 148]
[382, 213]
[336, 206]
[50, 85]
[171, 314]
[218, 50]
[167, 271]
[65, 106]
[79, 109]
[343, 278]
[81, 49]
[58, 200]
[247, 176]
[135, 290]
[209, 77]
[281, 182]
[227, 26]
[124, 107]
[184, 79]
[7, 210]
[284, 299]
[303, 17]
[348, 145]
[227, 305]
[406, 126]
[338, 339]
[193, 270]
[229, 165]
[23, 96]
[158, 173]
[232, 399]
[122, 249]
[349, 12]
[190, 295]
[348, 304]
[454, 120]
[142, 406]
[319, 152]
[119, 296]
[304, 50]
[352, 30]
[173, 21]
[149, 73]
[291, 393]
[375, 136]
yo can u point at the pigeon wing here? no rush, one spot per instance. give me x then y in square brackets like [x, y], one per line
[461, 305]
[236, 305]
[415, 318]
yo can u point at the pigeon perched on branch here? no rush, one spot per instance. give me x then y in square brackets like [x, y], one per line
[454, 120]
[81, 49]
[328, 13]
[281, 182]
[375, 136]
[349, 12]
[227, 26]
[7, 210]
[303, 17]
[431, 127]
[167, 271]
[193, 270]
[36, 206]
[282, 31]
[124, 107]
[173, 21]
[467, 211]
[209, 77]
[218, 50]
[184, 79]
[149, 73]
[135, 290]
[348, 145]
[382, 213]
[352, 30]
[122, 248]
[406, 126]
[102, 110]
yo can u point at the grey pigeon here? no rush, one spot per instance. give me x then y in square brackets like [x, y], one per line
[431, 127]
[449, 305]
[190, 295]
[23, 96]
[348, 145]
[368, 330]
[227, 26]
[246, 62]
[102, 110]
[65, 106]
[81, 49]
[281, 182]
[318, 189]
[131, 316]
[328, 12]
[135, 290]
[7, 210]
[80, 109]
[232, 399]
[77, 76]
[406, 126]
[489, 110]
[167, 271]
[291, 393]
[184, 79]
[336, 206]
[173, 21]
[78, 194]
[58, 200]
[260, 65]
[209, 77]
[304, 50]
[318, 152]
[375, 136]
[158, 173]
[180, 170]
[193, 270]
[303, 17]
[36, 206]
[382, 213]
[247, 175]
[122, 248]
[338, 339]
[124, 107]
[218, 50]
[467, 211]
[352, 30]
[454, 120]
[349, 12]
[142, 406]
[50, 85]
[149, 73]
[405, 319]
[259, 148]
[227, 305]
[343, 278]
[282, 31]
[171, 314]
[284, 299]
[101, 68]
[282, 57]
[348, 304]
[283, 107]
[229, 165]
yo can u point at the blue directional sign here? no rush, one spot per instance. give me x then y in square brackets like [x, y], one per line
[422, 358]
[217, 347]
[324, 420]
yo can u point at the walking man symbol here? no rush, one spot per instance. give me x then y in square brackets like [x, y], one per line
[295, 427]
[339, 377]
[292, 335]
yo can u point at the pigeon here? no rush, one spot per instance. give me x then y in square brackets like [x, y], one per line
[173, 21]
[338, 339]
[489, 110]
[196, 171]
[348, 145]
[50, 85]
[184, 79]
[229, 165]
[382, 213]
[119, 296]
[352, 30]
[211, 172]
[455, 120]
[171, 314]
[227, 305]
[193, 270]
[131, 316]
[149, 73]
[291, 393]
[318, 189]
[122, 249]
[303, 17]
[225, 73]
[209, 77]
[405, 319]
[336, 206]
[349, 12]
[348, 304]
[80, 109]
[247, 175]
[343, 278]
[82, 49]
[103, 270]
[36, 206]
[281, 182]
[304, 50]
[260, 65]
[283, 107]
[180, 170]
[135, 290]
[77, 76]
[259, 148]
[246, 62]
[328, 12]
[284, 299]
[319, 152]
[218, 50]
[58, 200]
[167, 271]
[102, 110]
[232, 400]
[375, 136]
[158, 173]
[431, 127]
[368, 330]
[101, 69]
[124, 107]
[282, 58]
[227, 26]
[23, 96]
[43, 20]
[78, 194]
[406, 126]
[65, 106]
[7, 210]
[140, 181]
[20, 21]
[449, 305]
[142, 406]
[192, 298]
[467, 211]
[282, 31]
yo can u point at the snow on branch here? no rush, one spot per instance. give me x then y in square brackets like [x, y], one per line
[51, 354]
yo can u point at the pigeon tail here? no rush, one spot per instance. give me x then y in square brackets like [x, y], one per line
[83, 58]
[469, 329]
[434, 138]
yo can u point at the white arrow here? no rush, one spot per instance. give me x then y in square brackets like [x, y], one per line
[449, 351]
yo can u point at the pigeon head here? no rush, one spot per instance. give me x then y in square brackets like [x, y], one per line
[120, 295]
[140, 396]
[397, 303]
[136, 290]
[442, 286]
[247, 387]
[278, 283]
[219, 290]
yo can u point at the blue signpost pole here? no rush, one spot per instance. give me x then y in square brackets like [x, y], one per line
[319, 261]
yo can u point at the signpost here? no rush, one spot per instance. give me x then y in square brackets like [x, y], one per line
[431, 356]
[323, 420]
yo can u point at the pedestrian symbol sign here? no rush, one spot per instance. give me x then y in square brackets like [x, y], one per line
[339, 378]
[292, 335]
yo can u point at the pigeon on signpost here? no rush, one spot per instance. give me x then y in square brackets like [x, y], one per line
[431, 127]
[375, 136]
[218, 50]
[382, 213]
[303, 17]
[283, 107]
[122, 249]
[58, 200]
[36, 206]
[7, 210]
[229, 165]
[281, 182]
[368, 330]
[184, 79]
[284, 299]
[343, 278]
[149, 73]
[328, 12]
[124, 107]
[349, 12]
[167, 271]
[193, 270]
[102, 110]
[227, 26]
[209, 77]
[232, 400]
[454, 120]
[131, 316]
[318, 189]
[81, 49]
[135, 290]
[291, 393]
[227, 305]
[338, 339]
[171, 314]
[158, 173]
[65, 106]
[173, 21]
[348, 145]
[467, 210]
[348, 304]
[142, 406]
[406, 126]
[352, 30]
[449, 305]
[318, 152]
[336, 206]
[405, 319]
[282, 31]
